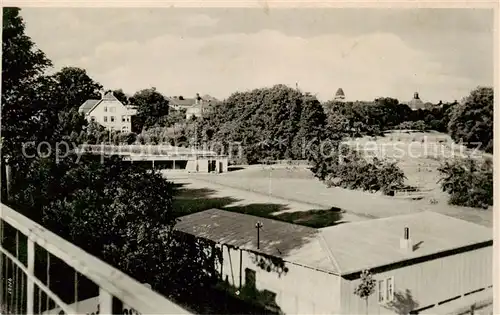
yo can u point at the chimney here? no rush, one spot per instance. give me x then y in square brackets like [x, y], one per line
[405, 242]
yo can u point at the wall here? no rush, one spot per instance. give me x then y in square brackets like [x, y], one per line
[120, 110]
[301, 290]
[427, 282]
[193, 111]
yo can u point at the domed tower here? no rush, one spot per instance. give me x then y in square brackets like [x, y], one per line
[416, 102]
[339, 96]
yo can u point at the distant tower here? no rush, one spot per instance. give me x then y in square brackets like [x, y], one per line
[339, 96]
[416, 102]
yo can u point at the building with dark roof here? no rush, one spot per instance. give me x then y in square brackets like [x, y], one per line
[339, 96]
[195, 106]
[109, 112]
[427, 257]
[416, 103]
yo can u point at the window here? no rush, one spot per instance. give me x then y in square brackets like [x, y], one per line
[386, 290]
[92, 118]
[105, 108]
[123, 118]
[381, 295]
[249, 278]
[105, 118]
[390, 289]
[128, 118]
[112, 118]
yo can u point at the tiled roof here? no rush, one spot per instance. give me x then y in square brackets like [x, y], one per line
[184, 102]
[341, 249]
[87, 106]
[281, 239]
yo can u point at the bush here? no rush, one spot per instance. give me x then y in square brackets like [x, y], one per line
[353, 171]
[469, 182]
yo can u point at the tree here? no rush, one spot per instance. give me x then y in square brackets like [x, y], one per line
[73, 87]
[22, 68]
[469, 182]
[311, 127]
[366, 287]
[152, 108]
[264, 121]
[349, 169]
[121, 96]
[471, 121]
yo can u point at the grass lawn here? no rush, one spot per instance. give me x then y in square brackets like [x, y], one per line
[188, 201]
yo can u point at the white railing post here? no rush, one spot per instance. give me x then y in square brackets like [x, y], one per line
[105, 302]
[30, 286]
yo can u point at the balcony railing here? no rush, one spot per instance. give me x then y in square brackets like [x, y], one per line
[41, 273]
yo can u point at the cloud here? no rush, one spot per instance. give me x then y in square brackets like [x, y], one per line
[366, 67]
[187, 51]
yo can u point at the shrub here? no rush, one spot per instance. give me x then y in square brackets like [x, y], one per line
[469, 182]
[353, 171]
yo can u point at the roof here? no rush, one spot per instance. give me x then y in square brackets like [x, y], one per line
[416, 103]
[280, 239]
[341, 249]
[183, 102]
[87, 106]
[373, 243]
[340, 92]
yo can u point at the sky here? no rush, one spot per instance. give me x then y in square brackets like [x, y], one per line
[441, 53]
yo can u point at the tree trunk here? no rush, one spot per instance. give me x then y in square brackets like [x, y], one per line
[366, 305]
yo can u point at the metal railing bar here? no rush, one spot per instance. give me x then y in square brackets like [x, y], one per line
[22, 291]
[76, 291]
[105, 276]
[16, 275]
[65, 307]
[40, 300]
[48, 278]
[1, 266]
[11, 288]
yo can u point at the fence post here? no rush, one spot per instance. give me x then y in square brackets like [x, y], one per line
[1, 265]
[30, 285]
[105, 302]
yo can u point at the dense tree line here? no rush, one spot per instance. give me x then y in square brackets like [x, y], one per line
[269, 123]
[119, 212]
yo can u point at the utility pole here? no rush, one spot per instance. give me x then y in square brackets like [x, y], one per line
[258, 226]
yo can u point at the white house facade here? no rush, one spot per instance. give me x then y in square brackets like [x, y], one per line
[109, 112]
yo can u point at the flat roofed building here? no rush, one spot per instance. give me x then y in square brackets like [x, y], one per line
[421, 260]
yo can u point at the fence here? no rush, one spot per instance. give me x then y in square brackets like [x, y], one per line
[41, 273]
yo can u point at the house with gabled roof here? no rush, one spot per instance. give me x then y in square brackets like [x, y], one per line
[109, 112]
[194, 107]
[421, 262]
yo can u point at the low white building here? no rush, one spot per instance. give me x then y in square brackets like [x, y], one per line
[421, 262]
[109, 112]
